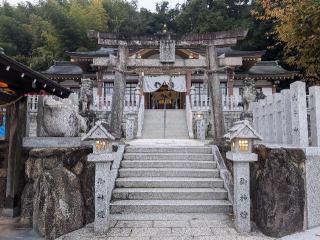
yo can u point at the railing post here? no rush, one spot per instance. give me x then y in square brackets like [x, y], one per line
[314, 104]
[278, 117]
[299, 114]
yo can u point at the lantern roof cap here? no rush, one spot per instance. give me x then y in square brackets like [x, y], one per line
[242, 129]
[99, 131]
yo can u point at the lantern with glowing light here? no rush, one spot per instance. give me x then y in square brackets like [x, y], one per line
[242, 137]
[102, 139]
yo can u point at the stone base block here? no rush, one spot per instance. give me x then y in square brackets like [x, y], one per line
[51, 142]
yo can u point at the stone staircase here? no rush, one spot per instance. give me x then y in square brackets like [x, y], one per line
[169, 180]
[176, 124]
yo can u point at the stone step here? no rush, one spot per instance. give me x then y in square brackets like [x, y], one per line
[168, 164]
[170, 193]
[168, 172]
[146, 149]
[170, 206]
[168, 156]
[168, 182]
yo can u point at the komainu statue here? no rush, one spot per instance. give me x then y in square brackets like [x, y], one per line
[86, 96]
[249, 93]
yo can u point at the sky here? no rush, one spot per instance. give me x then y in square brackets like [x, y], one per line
[149, 4]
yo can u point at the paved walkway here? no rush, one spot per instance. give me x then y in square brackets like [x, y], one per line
[167, 227]
[312, 234]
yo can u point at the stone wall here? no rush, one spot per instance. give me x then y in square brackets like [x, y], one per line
[59, 195]
[278, 190]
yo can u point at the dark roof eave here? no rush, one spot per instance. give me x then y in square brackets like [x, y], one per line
[19, 67]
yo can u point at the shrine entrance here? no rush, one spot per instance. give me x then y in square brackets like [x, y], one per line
[164, 98]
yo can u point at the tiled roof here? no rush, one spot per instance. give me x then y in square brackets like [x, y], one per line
[64, 68]
[102, 52]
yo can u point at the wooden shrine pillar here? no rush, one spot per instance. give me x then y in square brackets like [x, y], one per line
[119, 92]
[218, 128]
[17, 114]
[100, 82]
[188, 79]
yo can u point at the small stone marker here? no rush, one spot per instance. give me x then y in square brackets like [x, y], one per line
[201, 128]
[102, 156]
[130, 127]
[241, 136]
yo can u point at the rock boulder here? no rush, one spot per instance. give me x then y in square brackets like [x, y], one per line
[278, 190]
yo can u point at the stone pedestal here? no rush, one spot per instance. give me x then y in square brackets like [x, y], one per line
[130, 128]
[241, 174]
[102, 178]
[201, 129]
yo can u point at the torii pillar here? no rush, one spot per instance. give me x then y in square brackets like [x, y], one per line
[217, 117]
[119, 92]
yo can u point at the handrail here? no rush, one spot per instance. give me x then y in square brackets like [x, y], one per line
[140, 116]
[189, 116]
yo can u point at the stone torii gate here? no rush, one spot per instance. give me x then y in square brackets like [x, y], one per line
[167, 43]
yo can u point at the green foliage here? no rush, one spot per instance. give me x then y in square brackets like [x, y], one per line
[213, 15]
[37, 34]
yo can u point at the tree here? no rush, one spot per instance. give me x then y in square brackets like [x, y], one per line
[297, 27]
[213, 15]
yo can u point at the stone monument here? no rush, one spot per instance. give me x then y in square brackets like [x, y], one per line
[102, 156]
[242, 136]
[60, 118]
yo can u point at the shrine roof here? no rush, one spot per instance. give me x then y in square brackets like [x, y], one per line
[267, 69]
[64, 68]
[17, 80]
[101, 52]
[229, 52]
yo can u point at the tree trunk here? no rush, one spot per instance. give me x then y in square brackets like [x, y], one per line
[119, 89]
[217, 117]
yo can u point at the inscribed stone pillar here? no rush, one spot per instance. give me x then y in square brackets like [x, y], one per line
[314, 104]
[277, 117]
[286, 117]
[102, 185]
[270, 123]
[201, 129]
[299, 114]
[241, 173]
[119, 92]
[217, 117]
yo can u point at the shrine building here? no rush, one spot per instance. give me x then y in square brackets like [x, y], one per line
[165, 72]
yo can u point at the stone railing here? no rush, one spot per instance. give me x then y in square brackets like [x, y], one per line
[105, 103]
[140, 116]
[189, 116]
[201, 102]
[232, 103]
[282, 118]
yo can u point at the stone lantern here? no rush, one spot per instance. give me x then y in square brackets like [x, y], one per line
[102, 156]
[242, 137]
